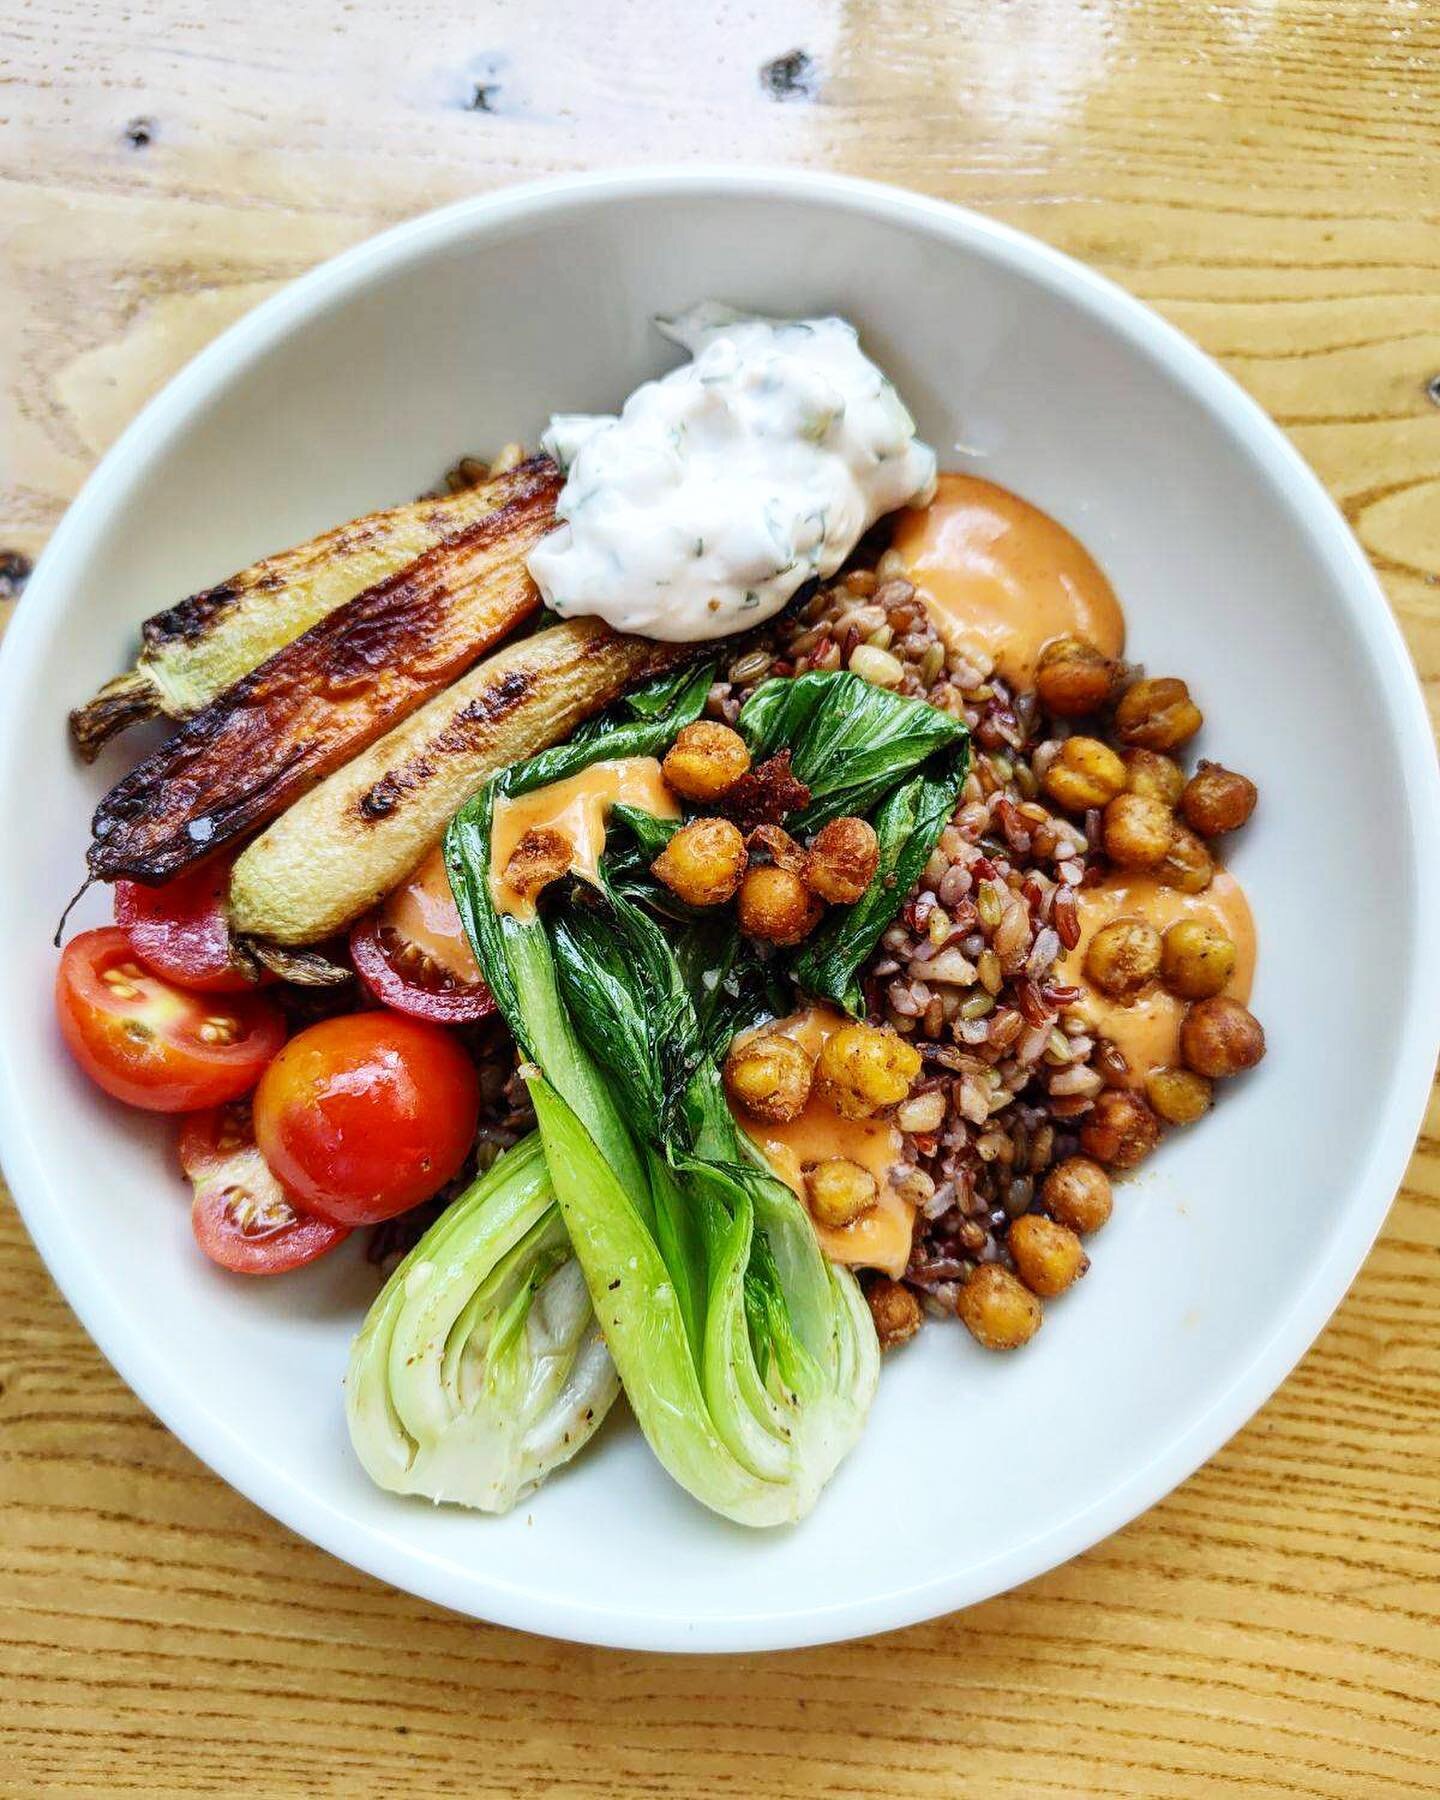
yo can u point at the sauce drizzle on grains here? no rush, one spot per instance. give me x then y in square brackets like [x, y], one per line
[1004, 579]
[983, 967]
[1146, 1030]
[881, 1238]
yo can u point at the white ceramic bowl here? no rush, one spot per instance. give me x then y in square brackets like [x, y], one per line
[353, 389]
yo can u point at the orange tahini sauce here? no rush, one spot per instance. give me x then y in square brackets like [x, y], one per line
[879, 1240]
[423, 910]
[1003, 579]
[579, 807]
[1147, 1030]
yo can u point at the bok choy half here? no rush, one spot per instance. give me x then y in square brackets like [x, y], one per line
[748, 1361]
[480, 1366]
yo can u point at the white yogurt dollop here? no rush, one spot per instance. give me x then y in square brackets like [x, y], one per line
[728, 483]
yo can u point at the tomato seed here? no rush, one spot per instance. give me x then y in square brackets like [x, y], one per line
[255, 1218]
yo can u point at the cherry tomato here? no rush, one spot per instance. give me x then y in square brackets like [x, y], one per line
[241, 1216]
[180, 930]
[413, 955]
[366, 1115]
[148, 1042]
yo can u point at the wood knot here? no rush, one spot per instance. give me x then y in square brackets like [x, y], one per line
[15, 570]
[793, 76]
[484, 84]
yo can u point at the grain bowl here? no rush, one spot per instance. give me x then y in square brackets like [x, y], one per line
[1238, 1238]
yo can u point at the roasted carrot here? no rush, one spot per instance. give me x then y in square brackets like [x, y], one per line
[324, 697]
[193, 651]
[352, 839]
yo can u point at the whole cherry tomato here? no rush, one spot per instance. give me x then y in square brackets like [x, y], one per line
[364, 1116]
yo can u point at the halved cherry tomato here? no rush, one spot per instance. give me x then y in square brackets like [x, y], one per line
[148, 1042]
[413, 955]
[366, 1115]
[180, 930]
[241, 1216]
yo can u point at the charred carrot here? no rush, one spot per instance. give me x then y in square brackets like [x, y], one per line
[319, 701]
[192, 652]
[349, 841]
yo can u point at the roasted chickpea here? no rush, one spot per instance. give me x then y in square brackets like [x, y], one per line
[776, 906]
[1121, 1129]
[840, 1191]
[1217, 800]
[1220, 1037]
[895, 1310]
[1157, 777]
[1085, 773]
[862, 1068]
[842, 861]
[1157, 715]
[1048, 1257]
[998, 1310]
[703, 863]
[1078, 1193]
[705, 759]
[768, 1076]
[1187, 864]
[1196, 960]
[542, 856]
[1137, 831]
[1122, 956]
[1179, 1096]
[1073, 678]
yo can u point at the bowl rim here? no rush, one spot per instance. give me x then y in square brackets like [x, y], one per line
[387, 1556]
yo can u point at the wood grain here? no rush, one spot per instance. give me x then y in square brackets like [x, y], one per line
[1268, 175]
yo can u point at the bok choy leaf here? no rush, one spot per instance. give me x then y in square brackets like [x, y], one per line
[851, 743]
[480, 1366]
[907, 824]
[865, 752]
[862, 751]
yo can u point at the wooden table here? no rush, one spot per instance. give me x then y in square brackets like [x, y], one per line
[1267, 175]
